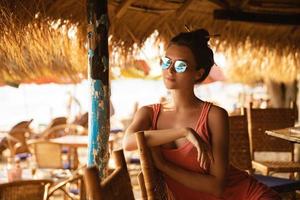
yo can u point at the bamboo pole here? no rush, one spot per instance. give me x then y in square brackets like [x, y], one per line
[99, 125]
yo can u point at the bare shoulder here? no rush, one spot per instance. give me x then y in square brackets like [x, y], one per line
[217, 114]
[144, 113]
[218, 124]
[142, 120]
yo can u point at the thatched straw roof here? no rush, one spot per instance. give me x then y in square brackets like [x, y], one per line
[37, 39]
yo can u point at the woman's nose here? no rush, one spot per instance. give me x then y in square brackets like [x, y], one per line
[171, 69]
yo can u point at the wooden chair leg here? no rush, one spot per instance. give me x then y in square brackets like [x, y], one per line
[266, 173]
[141, 182]
[292, 176]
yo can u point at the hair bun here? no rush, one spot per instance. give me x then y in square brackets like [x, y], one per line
[202, 35]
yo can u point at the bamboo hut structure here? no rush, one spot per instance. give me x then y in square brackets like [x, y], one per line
[45, 41]
[48, 41]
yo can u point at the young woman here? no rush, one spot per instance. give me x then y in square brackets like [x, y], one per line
[189, 136]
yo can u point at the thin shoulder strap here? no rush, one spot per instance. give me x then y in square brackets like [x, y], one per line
[203, 114]
[155, 109]
[203, 125]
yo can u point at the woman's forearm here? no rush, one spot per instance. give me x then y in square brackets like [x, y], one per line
[201, 182]
[154, 137]
[160, 137]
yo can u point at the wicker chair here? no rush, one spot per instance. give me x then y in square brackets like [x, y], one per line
[82, 120]
[50, 132]
[150, 179]
[141, 182]
[74, 194]
[260, 120]
[17, 135]
[65, 129]
[47, 154]
[239, 156]
[116, 186]
[26, 189]
[239, 149]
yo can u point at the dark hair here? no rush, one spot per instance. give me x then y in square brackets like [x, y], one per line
[197, 42]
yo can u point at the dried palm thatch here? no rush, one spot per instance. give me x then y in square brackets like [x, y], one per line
[35, 42]
[35, 50]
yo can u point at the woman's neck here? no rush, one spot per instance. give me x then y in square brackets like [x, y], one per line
[182, 100]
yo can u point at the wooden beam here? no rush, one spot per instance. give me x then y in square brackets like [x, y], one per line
[98, 69]
[183, 9]
[145, 9]
[221, 4]
[123, 7]
[279, 19]
[273, 9]
[134, 39]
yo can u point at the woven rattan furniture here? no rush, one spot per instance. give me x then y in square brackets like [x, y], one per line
[141, 182]
[239, 148]
[50, 132]
[239, 155]
[17, 135]
[260, 120]
[286, 133]
[150, 179]
[115, 187]
[25, 190]
[82, 120]
[47, 154]
[77, 193]
[65, 129]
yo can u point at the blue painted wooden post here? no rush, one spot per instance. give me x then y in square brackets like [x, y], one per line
[99, 125]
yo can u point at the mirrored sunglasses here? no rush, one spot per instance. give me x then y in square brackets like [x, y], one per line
[179, 65]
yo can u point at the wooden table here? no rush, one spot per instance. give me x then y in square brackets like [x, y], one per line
[291, 134]
[76, 141]
[72, 140]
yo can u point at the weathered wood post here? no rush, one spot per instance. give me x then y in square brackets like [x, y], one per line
[98, 67]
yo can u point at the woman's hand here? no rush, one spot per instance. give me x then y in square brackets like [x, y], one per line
[204, 153]
[158, 158]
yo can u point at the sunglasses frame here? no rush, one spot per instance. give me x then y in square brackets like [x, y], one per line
[180, 66]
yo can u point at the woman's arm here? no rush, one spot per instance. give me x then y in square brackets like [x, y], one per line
[142, 122]
[214, 182]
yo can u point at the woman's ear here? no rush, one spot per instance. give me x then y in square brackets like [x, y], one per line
[199, 74]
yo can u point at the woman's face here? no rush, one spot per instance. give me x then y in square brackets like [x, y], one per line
[180, 80]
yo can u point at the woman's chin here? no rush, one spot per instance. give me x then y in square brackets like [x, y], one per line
[170, 86]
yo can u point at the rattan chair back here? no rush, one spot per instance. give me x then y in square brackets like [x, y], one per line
[239, 148]
[154, 184]
[18, 134]
[47, 154]
[260, 120]
[25, 190]
[82, 120]
[116, 186]
[51, 132]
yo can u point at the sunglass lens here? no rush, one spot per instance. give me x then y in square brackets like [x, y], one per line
[165, 63]
[180, 66]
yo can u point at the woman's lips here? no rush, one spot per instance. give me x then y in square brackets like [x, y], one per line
[170, 79]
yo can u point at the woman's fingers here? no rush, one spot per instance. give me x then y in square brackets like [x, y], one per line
[204, 155]
[198, 153]
[210, 156]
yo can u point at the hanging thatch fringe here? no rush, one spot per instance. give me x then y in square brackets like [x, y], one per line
[37, 42]
[49, 49]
